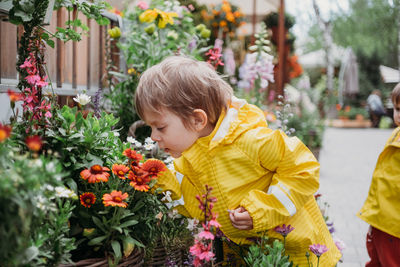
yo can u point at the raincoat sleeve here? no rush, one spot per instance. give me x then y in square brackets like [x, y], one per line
[168, 181]
[295, 180]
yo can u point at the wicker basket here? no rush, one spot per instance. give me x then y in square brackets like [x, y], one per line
[161, 255]
[136, 259]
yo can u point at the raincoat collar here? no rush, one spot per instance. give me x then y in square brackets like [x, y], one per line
[239, 118]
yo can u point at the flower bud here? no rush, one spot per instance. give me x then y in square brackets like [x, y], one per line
[205, 33]
[150, 29]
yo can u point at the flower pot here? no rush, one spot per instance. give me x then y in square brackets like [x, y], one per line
[136, 259]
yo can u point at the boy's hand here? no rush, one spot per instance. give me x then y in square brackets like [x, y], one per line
[241, 219]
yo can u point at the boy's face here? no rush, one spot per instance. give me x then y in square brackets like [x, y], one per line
[168, 130]
[396, 113]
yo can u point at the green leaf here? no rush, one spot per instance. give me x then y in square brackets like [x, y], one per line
[128, 223]
[97, 240]
[116, 248]
[31, 253]
[99, 224]
[119, 229]
[50, 42]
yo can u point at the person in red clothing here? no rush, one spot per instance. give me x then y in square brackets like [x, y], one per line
[382, 207]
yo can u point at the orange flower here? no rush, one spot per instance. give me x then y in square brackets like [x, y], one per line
[14, 97]
[95, 174]
[347, 108]
[87, 199]
[139, 179]
[230, 17]
[34, 143]
[5, 132]
[134, 157]
[338, 107]
[115, 199]
[222, 23]
[154, 167]
[120, 170]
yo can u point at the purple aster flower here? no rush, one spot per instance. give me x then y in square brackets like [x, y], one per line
[284, 230]
[318, 249]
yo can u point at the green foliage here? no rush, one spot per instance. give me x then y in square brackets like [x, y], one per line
[146, 44]
[272, 20]
[83, 142]
[309, 128]
[355, 29]
[264, 254]
[34, 210]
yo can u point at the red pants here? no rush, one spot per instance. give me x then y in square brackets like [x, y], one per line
[383, 249]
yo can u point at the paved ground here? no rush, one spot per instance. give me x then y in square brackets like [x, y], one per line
[348, 158]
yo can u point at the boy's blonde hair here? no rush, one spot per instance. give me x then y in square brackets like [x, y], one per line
[396, 94]
[181, 85]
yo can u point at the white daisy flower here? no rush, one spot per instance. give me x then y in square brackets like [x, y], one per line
[82, 99]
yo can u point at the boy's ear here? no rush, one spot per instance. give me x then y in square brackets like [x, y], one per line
[200, 119]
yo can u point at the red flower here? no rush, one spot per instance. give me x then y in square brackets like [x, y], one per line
[139, 179]
[87, 199]
[5, 132]
[14, 96]
[34, 143]
[95, 174]
[115, 199]
[120, 170]
[134, 157]
[154, 167]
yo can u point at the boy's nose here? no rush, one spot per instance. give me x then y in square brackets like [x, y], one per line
[155, 137]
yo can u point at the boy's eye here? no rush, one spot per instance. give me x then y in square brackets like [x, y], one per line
[160, 128]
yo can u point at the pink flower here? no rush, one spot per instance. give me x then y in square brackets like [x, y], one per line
[284, 230]
[27, 64]
[206, 255]
[142, 5]
[206, 235]
[32, 79]
[196, 249]
[42, 82]
[339, 244]
[318, 249]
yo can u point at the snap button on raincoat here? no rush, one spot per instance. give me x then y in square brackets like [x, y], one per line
[382, 206]
[272, 176]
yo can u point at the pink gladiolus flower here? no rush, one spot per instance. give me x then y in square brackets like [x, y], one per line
[206, 255]
[214, 223]
[284, 230]
[27, 64]
[42, 82]
[32, 79]
[318, 249]
[142, 5]
[206, 235]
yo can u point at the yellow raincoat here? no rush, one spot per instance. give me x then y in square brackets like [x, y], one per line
[382, 207]
[272, 176]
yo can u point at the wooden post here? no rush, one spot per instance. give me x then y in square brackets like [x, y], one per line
[74, 54]
[88, 69]
[101, 59]
[60, 51]
[281, 48]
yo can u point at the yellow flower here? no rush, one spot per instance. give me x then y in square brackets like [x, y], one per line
[148, 15]
[163, 17]
[132, 71]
